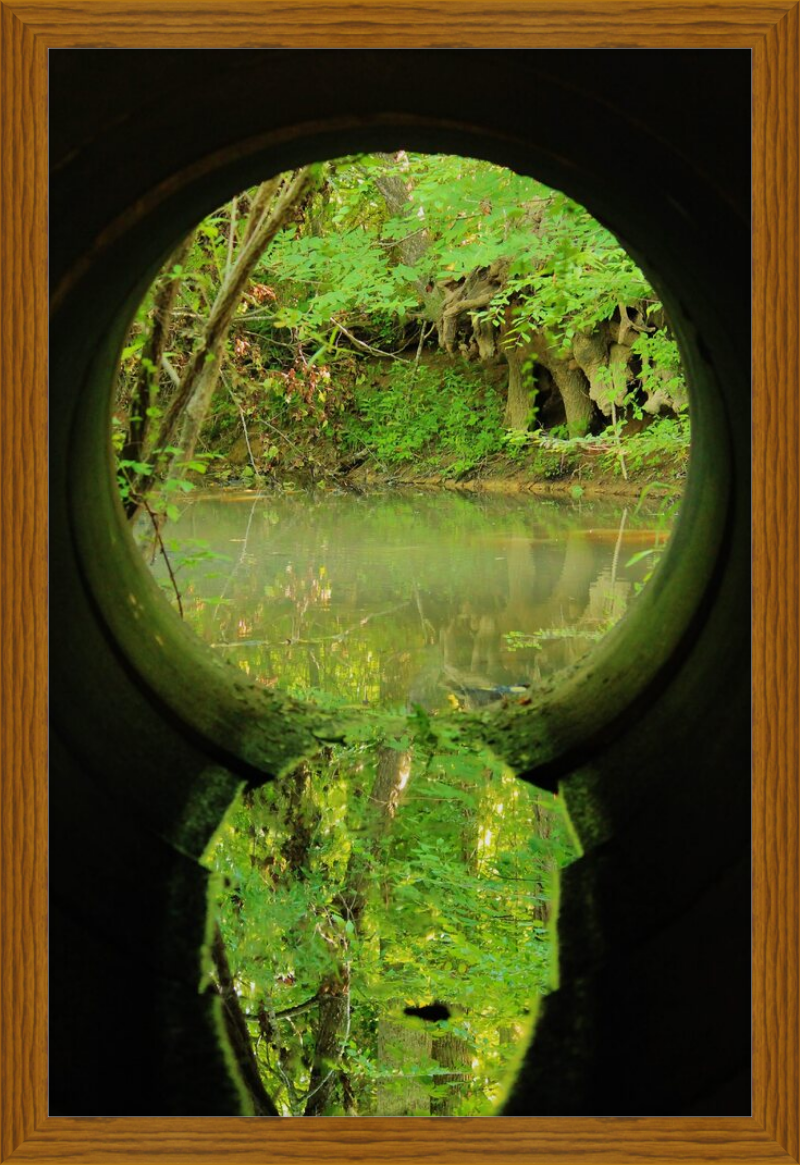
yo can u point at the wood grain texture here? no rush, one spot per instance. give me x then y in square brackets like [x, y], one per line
[412, 23]
[28, 29]
[407, 1141]
[776, 636]
[23, 628]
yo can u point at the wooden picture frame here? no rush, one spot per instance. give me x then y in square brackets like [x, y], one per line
[772, 31]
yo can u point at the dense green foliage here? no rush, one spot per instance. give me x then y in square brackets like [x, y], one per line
[407, 308]
[441, 893]
[415, 410]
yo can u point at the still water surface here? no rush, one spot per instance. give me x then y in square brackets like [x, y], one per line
[406, 598]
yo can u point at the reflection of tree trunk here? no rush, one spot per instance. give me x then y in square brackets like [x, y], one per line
[452, 1052]
[391, 777]
[402, 1047]
[314, 677]
[507, 1036]
[521, 565]
[332, 1000]
[577, 573]
[334, 1011]
[237, 1031]
[542, 907]
[456, 641]
[508, 1042]
[392, 774]
[570, 596]
[301, 818]
[486, 646]
[608, 600]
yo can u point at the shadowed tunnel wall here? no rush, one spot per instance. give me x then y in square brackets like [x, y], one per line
[649, 741]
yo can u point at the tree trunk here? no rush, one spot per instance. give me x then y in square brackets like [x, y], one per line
[591, 355]
[485, 339]
[188, 411]
[397, 196]
[619, 356]
[518, 398]
[183, 420]
[145, 390]
[606, 369]
[571, 384]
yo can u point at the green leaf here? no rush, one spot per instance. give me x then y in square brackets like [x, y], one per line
[642, 554]
[143, 468]
[451, 792]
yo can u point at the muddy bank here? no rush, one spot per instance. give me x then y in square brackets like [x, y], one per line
[557, 469]
[594, 472]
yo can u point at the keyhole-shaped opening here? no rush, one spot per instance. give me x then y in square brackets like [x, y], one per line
[454, 418]
[383, 927]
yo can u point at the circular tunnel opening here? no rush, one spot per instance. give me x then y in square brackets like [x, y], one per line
[591, 702]
[523, 354]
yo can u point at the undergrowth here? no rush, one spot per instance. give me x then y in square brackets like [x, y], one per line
[418, 412]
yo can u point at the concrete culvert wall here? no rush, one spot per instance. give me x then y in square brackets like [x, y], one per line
[649, 742]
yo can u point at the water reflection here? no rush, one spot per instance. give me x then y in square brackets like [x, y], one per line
[381, 918]
[381, 928]
[438, 600]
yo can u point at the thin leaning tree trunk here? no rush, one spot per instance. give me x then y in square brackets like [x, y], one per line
[275, 203]
[145, 389]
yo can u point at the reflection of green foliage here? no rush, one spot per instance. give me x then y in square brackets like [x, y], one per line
[337, 293]
[456, 906]
[355, 598]
[457, 889]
